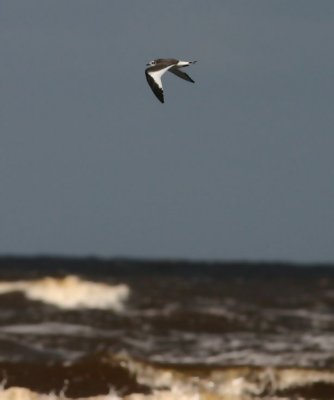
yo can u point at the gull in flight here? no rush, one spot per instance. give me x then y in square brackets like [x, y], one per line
[157, 68]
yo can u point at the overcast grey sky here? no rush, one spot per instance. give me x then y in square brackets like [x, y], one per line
[238, 165]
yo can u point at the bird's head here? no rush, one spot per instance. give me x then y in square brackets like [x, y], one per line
[151, 63]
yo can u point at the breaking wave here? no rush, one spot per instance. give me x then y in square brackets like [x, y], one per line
[71, 292]
[145, 381]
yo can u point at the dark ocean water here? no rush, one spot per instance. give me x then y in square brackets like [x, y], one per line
[130, 329]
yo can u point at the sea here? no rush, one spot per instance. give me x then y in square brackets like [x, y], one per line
[111, 329]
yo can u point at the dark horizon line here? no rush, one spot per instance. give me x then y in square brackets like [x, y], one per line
[167, 260]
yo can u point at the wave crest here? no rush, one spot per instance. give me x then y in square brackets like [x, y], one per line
[71, 292]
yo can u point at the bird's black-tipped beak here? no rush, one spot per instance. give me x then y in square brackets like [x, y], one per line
[148, 64]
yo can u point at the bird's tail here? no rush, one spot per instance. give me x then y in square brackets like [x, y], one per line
[181, 63]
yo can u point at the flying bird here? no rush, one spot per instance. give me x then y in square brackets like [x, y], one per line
[157, 68]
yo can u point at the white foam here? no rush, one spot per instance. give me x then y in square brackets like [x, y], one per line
[19, 393]
[304, 350]
[218, 384]
[51, 328]
[71, 292]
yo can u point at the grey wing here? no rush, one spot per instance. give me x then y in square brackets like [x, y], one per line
[156, 89]
[176, 71]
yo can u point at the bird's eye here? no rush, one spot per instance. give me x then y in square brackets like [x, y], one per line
[153, 62]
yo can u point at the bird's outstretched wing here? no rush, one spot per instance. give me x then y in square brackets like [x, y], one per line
[176, 71]
[153, 76]
[156, 88]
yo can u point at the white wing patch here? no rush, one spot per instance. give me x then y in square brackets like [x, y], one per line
[156, 75]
